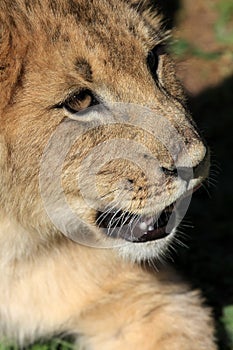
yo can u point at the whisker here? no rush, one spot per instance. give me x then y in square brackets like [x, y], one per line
[105, 214]
[206, 190]
[112, 206]
[125, 218]
[152, 264]
[133, 223]
[130, 217]
[114, 219]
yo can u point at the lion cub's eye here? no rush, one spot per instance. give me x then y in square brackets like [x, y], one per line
[153, 59]
[80, 101]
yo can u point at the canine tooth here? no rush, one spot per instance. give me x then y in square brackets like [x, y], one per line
[143, 226]
[150, 228]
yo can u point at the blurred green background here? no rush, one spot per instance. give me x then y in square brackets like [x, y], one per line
[203, 52]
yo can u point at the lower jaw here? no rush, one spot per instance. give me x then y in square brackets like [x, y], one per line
[150, 236]
[138, 236]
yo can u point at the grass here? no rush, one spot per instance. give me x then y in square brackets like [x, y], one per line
[224, 24]
[222, 29]
[183, 48]
[54, 344]
[227, 321]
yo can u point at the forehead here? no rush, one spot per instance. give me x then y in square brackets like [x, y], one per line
[69, 37]
[85, 28]
[107, 21]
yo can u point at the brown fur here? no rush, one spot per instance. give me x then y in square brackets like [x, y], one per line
[50, 284]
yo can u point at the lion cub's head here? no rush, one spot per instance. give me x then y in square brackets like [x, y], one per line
[95, 140]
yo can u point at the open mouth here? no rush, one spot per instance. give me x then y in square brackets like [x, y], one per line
[136, 228]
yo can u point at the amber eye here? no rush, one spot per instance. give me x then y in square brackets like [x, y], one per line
[80, 101]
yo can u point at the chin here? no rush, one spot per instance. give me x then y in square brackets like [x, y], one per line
[146, 251]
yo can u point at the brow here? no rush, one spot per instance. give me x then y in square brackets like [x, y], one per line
[84, 69]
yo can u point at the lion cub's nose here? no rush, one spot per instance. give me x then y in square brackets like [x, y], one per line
[197, 166]
[188, 154]
[183, 172]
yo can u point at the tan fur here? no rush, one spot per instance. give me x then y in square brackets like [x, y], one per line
[50, 284]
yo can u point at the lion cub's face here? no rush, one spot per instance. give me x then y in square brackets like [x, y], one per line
[95, 140]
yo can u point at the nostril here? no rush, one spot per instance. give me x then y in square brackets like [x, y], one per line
[185, 173]
[130, 181]
[170, 172]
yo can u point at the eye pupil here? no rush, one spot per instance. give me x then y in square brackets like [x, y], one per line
[80, 101]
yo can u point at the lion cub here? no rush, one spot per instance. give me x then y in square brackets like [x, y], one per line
[98, 160]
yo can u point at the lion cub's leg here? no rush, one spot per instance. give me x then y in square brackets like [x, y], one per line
[117, 306]
[149, 314]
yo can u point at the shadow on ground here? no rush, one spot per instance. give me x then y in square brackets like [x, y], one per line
[208, 261]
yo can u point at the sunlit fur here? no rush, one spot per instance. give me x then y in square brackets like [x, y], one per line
[109, 299]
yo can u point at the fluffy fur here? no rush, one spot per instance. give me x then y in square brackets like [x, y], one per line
[50, 284]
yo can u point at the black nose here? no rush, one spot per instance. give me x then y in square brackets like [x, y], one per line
[170, 172]
[185, 173]
[188, 173]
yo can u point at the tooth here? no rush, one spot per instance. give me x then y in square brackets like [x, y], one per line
[143, 226]
[150, 228]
